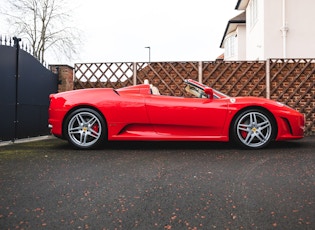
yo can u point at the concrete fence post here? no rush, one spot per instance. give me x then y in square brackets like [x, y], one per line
[135, 73]
[200, 72]
[268, 78]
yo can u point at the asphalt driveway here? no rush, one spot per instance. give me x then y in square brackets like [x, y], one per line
[152, 185]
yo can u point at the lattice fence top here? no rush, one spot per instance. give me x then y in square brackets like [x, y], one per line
[93, 75]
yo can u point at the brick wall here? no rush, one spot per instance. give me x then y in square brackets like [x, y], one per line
[65, 74]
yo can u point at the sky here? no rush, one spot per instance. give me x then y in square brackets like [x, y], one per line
[175, 30]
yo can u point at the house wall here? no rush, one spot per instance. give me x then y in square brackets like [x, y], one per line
[254, 34]
[265, 39]
[272, 17]
[300, 19]
[241, 42]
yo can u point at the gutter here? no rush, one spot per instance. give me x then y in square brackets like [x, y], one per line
[239, 19]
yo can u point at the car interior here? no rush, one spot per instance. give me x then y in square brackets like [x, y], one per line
[154, 89]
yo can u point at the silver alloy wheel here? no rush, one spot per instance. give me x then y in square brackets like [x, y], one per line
[254, 129]
[84, 129]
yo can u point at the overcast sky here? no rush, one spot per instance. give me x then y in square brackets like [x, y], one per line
[176, 30]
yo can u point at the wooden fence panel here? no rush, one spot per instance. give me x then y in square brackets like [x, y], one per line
[169, 76]
[236, 78]
[292, 83]
[103, 75]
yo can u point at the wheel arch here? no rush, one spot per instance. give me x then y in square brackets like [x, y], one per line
[249, 108]
[82, 107]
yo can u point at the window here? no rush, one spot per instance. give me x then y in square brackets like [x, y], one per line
[253, 9]
[230, 46]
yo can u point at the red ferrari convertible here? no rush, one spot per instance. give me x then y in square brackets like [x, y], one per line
[90, 117]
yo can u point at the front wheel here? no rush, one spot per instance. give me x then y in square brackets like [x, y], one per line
[85, 128]
[254, 129]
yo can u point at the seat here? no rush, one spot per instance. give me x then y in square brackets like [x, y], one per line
[154, 89]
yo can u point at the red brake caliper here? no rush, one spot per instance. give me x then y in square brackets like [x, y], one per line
[95, 128]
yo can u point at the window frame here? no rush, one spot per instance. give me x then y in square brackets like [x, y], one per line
[231, 46]
[253, 9]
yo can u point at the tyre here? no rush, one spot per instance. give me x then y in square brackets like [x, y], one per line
[85, 129]
[254, 129]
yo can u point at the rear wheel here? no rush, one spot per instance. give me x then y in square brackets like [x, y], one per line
[254, 129]
[85, 128]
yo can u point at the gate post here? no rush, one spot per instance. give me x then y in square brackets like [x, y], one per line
[17, 75]
[65, 76]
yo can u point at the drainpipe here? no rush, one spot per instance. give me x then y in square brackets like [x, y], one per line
[284, 29]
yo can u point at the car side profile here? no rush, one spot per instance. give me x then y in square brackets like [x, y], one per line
[88, 118]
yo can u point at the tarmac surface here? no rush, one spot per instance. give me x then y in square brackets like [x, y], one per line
[46, 184]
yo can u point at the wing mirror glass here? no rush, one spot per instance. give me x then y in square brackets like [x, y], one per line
[209, 92]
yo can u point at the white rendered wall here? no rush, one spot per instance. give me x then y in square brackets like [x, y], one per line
[301, 33]
[255, 34]
[265, 40]
[241, 41]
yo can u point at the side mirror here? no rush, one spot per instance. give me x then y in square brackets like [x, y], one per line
[209, 92]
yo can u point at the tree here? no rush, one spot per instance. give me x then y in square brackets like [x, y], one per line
[44, 23]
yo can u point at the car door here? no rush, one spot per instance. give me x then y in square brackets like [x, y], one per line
[127, 116]
[186, 117]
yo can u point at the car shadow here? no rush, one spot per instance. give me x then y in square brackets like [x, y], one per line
[176, 145]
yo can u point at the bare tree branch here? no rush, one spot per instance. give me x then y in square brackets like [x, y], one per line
[45, 24]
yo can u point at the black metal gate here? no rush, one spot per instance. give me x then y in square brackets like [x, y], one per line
[25, 85]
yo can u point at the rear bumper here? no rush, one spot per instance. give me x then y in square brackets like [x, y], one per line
[55, 127]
